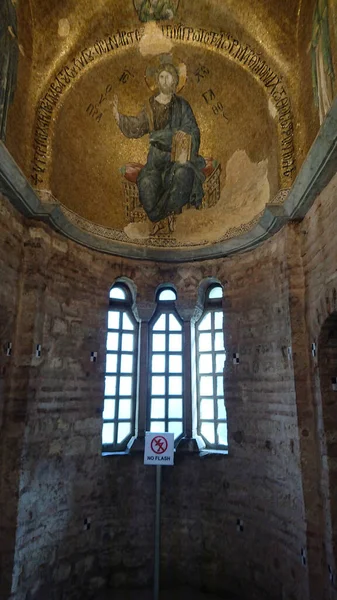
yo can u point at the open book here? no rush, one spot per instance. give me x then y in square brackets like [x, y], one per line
[181, 147]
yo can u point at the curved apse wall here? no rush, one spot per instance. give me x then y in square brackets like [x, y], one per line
[64, 481]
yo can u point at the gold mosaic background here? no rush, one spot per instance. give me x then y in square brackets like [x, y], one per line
[86, 156]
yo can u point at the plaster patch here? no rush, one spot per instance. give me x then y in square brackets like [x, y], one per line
[272, 108]
[136, 231]
[153, 41]
[18, 227]
[245, 194]
[36, 233]
[59, 245]
[63, 28]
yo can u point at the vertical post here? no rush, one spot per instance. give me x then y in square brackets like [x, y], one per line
[188, 428]
[157, 536]
[145, 312]
[143, 377]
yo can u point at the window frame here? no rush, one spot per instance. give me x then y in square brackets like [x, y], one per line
[144, 318]
[211, 306]
[165, 307]
[122, 306]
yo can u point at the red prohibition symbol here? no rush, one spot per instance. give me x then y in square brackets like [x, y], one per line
[159, 444]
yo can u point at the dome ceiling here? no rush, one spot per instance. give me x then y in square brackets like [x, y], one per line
[188, 165]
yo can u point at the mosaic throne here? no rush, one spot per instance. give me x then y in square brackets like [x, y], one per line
[134, 212]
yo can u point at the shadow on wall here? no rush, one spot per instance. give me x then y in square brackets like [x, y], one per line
[183, 593]
[327, 365]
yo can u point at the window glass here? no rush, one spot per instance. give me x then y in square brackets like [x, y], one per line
[210, 361]
[215, 292]
[158, 408]
[220, 362]
[111, 363]
[166, 368]
[176, 408]
[124, 411]
[117, 293]
[108, 433]
[205, 323]
[222, 409]
[158, 363]
[207, 431]
[157, 426]
[160, 324]
[109, 409]
[175, 363]
[127, 323]
[165, 365]
[174, 324]
[112, 341]
[120, 379]
[218, 320]
[175, 427]
[126, 363]
[127, 342]
[110, 386]
[123, 431]
[113, 319]
[205, 342]
[218, 341]
[167, 294]
[175, 386]
[175, 342]
[222, 434]
[205, 363]
[158, 342]
[158, 386]
[125, 386]
[207, 408]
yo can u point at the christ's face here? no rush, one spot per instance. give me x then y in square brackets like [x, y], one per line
[166, 82]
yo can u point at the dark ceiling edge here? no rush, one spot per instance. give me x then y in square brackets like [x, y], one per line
[317, 170]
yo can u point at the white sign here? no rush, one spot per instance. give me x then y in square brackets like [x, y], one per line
[159, 449]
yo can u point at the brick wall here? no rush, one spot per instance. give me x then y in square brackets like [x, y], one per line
[269, 480]
[11, 425]
[319, 249]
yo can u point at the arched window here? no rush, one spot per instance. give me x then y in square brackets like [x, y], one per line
[166, 393]
[121, 371]
[210, 359]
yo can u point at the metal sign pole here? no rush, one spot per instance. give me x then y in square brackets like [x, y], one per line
[157, 535]
[158, 452]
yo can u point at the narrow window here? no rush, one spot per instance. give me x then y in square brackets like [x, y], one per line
[166, 367]
[120, 372]
[210, 359]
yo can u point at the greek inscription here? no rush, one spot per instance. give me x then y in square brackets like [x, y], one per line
[255, 63]
[201, 72]
[36, 179]
[217, 107]
[125, 76]
[65, 77]
[208, 96]
[95, 110]
[223, 41]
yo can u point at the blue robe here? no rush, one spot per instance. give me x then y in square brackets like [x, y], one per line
[165, 186]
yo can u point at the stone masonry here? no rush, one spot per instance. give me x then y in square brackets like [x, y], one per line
[54, 293]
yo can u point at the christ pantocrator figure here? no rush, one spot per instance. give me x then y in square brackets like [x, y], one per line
[172, 176]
